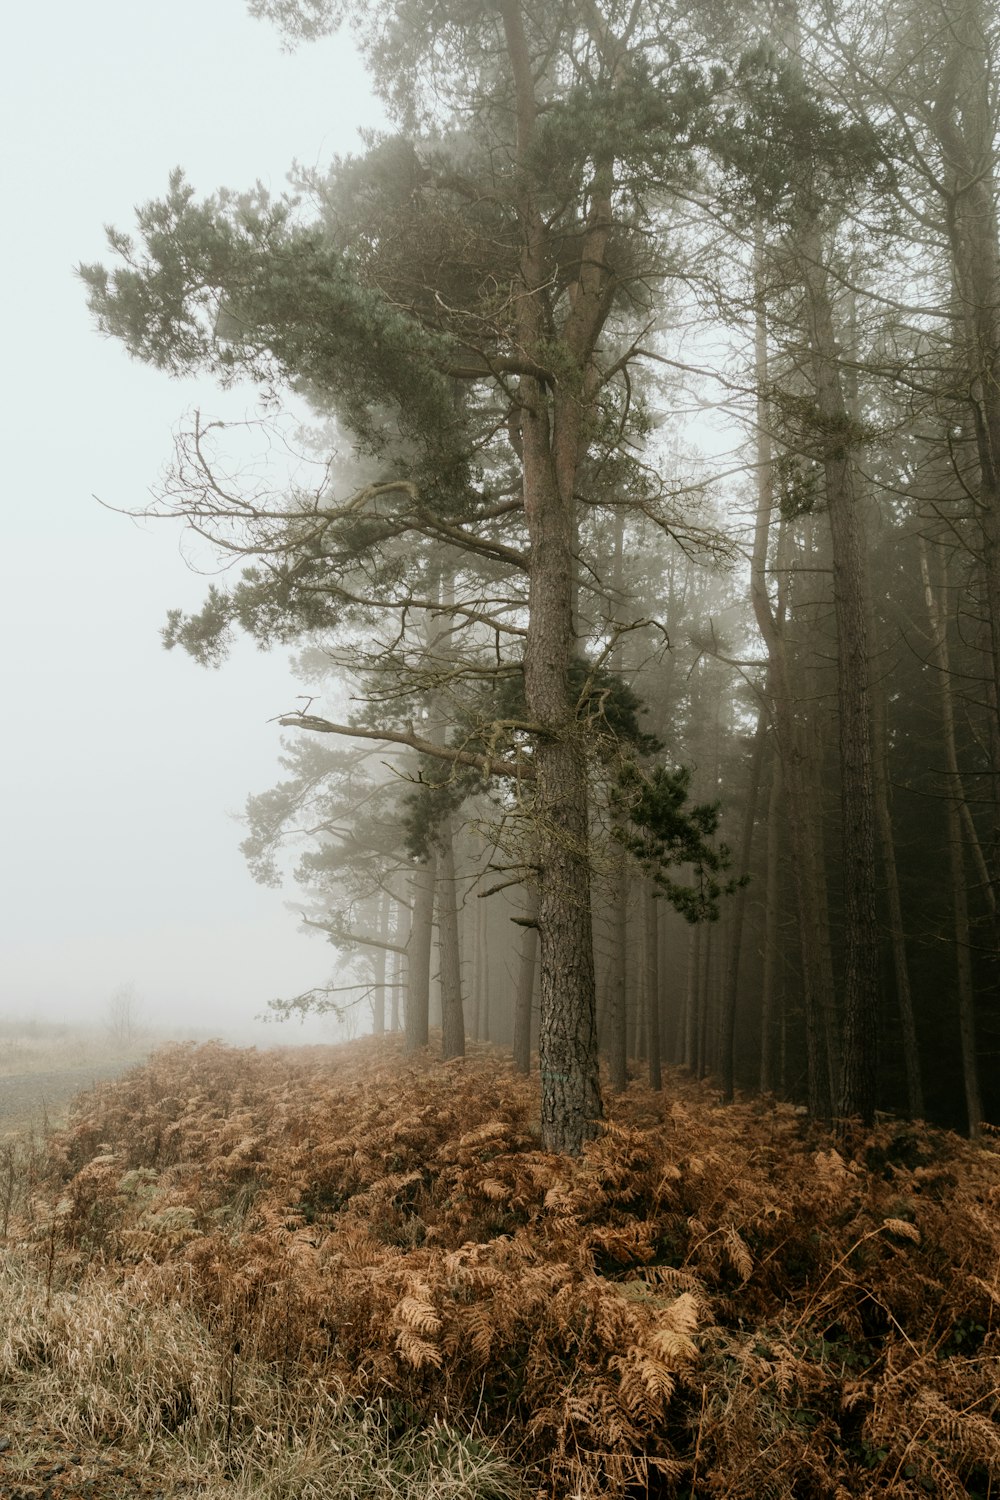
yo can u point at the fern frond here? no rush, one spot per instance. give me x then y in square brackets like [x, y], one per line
[417, 1351]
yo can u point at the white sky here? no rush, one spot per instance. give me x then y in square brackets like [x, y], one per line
[121, 765]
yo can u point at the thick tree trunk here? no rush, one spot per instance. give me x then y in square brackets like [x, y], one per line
[553, 436]
[571, 1097]
[418, 991]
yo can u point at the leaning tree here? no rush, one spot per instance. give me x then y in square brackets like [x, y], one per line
[469, 298]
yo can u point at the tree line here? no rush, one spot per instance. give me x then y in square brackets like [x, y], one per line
[654, 363]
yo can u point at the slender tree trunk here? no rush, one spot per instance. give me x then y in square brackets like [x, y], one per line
[730, 994]
[617, 1039]
[381, 954]
[486, 994]
[527, 964]
[402, 930]
[689, 1051]
[940, 658]
[965, 123]
[395, 985]
[859, 1079]
[671, 987]
[651, 982]
[772, 956]
[449, 947]
[904, 994]
[800, 799]
[478, 968]
[418, 951]
[703, 1059]
[617, 1045]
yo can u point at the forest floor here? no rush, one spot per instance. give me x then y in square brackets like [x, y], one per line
[323, 1273]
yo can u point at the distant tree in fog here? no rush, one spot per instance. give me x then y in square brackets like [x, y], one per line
[122, 1013]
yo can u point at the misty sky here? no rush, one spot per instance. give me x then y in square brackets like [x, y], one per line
[121, 765]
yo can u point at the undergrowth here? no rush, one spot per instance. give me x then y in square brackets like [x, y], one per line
[227, 1246]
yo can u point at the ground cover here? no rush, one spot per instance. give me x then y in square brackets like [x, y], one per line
[240, 1266]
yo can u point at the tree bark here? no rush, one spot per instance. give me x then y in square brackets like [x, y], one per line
[401, 938]
[527, 964]
[552, 439]
[772, 958]
[449, 947]
[418, 991]
[381, 954]
[617, 1040]
[897, 934]
[730, 993]
[651, 983]
[692, 991]
[703, 1058]
[859, 1080]
[800, 800]
[940, 657]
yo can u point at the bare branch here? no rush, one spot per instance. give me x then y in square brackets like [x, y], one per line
[489, 765]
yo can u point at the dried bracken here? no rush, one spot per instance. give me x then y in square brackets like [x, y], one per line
[709, 1301]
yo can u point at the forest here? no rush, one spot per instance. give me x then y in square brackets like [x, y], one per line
[643, 559]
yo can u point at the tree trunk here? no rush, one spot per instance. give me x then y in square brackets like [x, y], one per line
[617, 1041]
[527, 965]
[418, 991]
[449, 947]
[904, 994]
[486, 993]
[730, 993]
[706, 932]
[689, 1046]
[772, 956]
[940, 658]
[859, 1078]
[478, 968]
[651, 983]
[965, 124]
[800, 800]
[553, 436]
[381, 954]
[402, 938]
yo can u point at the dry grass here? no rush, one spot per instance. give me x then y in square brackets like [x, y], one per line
[32, 1046]
[106, 1367]
[253, 1259]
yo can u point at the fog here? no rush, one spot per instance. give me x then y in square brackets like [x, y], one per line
[122, 767]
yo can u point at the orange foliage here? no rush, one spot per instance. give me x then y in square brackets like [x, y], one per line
[710, 1301]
